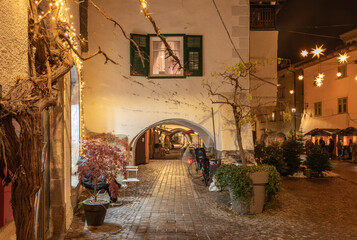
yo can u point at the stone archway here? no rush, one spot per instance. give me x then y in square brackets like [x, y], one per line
[204, 134]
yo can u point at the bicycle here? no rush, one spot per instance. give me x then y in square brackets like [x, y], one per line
[200, 166]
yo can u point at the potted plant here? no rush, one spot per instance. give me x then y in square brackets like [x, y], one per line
[249, 186]
[104, 162]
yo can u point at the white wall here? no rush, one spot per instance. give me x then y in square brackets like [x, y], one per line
[264, 50]
[332, 89]
[116, 102]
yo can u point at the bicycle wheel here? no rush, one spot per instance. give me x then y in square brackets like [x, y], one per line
[195, 170]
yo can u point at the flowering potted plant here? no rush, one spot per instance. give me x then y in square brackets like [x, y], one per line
[105, 160]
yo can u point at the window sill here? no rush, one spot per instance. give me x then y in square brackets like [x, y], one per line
[158, 77]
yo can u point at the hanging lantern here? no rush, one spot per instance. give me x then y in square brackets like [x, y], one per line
[342, 58]
[318, 51]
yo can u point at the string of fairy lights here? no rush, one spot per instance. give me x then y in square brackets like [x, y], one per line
[317, 52]
[59, 13]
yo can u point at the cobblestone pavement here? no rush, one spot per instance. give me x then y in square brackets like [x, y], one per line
[169, 205]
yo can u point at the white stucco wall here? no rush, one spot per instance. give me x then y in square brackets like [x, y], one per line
[332, 89]
[263, 49]
[116, 102]
[13, 42]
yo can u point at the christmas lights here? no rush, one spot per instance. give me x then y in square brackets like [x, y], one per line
[318, 51]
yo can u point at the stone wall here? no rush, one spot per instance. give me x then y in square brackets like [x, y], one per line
[13, 60]
[229, 157]
[61, 209]
[13, 42]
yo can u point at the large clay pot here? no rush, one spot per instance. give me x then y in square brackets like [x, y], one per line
[95, 212]
[237, 205]
[258, 197]
[257, 200]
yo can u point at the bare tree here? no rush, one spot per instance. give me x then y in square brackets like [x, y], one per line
[233, 90]
[52, 52]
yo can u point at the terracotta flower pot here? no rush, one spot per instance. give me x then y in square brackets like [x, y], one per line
[95, 212]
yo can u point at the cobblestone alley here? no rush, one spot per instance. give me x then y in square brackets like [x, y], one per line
[169, 205]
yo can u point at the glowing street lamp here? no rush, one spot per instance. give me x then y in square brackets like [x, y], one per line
[339, 74]
[291, 91]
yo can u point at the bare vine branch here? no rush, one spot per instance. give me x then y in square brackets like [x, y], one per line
[170, 52]
[122, 30]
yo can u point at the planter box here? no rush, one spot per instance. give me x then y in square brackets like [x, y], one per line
[257, 200]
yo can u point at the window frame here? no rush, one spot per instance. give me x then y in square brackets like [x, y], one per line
[281, 92]
[317, 109]
[182, 55]
[342, 104]
[136, 70]
[343, 70]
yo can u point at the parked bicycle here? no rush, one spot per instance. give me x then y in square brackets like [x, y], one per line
[198, 165]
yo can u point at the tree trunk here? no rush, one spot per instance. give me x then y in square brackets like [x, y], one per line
[22, 199]
[27, 177]
[239, 136]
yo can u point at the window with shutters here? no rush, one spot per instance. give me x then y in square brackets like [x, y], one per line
[160, 64]
[157, 64]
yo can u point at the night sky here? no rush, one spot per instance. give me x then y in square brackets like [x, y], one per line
[322, 17]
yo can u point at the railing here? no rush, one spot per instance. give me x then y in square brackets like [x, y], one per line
[262, 17]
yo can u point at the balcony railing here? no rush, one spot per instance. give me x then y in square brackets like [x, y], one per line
[262, 17]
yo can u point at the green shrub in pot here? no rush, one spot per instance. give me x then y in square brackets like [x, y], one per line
[237, 178]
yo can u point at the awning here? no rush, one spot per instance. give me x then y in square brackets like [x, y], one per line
[350, 131]
[322, 132]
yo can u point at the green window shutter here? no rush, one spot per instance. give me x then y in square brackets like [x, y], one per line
[136, 65]
[193, 56]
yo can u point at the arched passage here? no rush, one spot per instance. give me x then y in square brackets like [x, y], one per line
[204, 134]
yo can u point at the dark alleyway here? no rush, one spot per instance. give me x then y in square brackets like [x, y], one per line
[169, 205]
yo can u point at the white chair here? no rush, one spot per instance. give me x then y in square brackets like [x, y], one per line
[130, 171]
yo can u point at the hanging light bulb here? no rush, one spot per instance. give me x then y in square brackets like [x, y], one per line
[318, 51]
[339, 74]
[301, 77]
[321, 76]
[291, 92]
